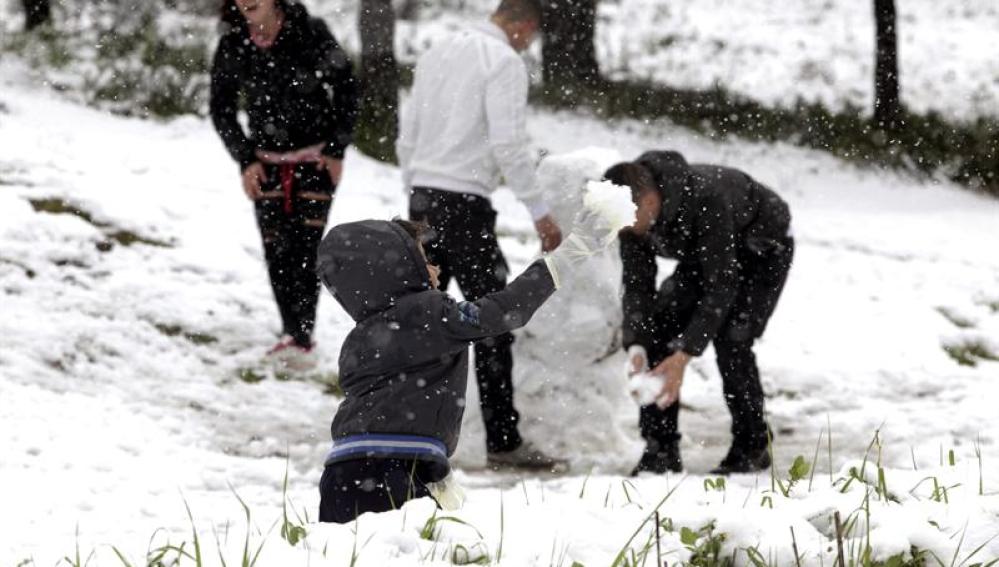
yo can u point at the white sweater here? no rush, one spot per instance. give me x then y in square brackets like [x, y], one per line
[463, 129]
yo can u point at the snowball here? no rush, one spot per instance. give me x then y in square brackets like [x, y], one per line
[645, 387]
[612, 202]
[562, 178]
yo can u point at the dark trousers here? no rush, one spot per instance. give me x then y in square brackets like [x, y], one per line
[761, 280]
[350, 488]
[464, 246]
[291, 217]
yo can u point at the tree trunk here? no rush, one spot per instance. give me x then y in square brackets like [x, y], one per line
[377, 124]
[568, 53]
[886, 97]
[36, 13]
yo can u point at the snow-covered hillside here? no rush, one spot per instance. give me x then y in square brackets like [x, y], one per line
[124, 325]
[777, 53]
[772, 52]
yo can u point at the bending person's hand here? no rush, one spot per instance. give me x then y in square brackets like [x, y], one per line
[549, 233]
[671, 370]
[638, 361]
[253, 176]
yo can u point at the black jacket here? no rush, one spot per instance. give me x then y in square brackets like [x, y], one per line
[713, 220]
[299, 92]
[404, 367]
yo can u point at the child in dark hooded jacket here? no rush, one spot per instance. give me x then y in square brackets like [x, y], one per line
[404, 367]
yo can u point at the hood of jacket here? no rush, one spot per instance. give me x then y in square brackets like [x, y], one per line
[368, 265]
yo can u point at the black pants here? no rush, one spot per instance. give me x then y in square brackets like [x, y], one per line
[464, 246]
[350, 488]
[291, 217]
[761, 280]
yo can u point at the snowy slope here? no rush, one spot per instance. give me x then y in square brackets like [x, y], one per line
[120, 395]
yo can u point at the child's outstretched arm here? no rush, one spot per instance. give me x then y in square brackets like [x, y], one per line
[607, 209]
[503, 311]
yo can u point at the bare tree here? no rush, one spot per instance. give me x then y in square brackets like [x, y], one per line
[886, 90]
[377, 124]
[568, 52]
[36, 13]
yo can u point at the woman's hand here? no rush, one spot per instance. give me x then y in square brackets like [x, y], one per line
[333, 167]
[253, 176]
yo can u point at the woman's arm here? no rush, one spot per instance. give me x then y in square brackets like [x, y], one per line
[224, 102]
[336, 71]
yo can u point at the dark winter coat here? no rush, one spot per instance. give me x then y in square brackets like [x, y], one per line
[714, 220]
[299, 92]
[403, 368]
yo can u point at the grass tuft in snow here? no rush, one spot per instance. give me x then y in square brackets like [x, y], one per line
[970, 351]
[705, 546]
[291, 531]
[958, 320]
[57, 206]
[191, 336]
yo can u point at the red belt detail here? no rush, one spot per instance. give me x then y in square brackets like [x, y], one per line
[287, 185]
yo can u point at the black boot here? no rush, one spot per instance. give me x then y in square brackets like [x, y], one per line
[744, 458]
[659, 458]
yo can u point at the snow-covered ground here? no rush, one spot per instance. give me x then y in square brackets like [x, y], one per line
[120, 395]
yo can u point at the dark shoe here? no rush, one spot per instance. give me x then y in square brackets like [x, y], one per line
[526, 457]
[742, 460]
[660, 459]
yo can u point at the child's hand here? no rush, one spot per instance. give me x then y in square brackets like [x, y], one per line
[590, 235]
[448, 493]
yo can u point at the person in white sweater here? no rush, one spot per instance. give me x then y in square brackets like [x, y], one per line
[461, 134]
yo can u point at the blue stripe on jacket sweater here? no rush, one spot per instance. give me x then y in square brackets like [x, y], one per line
[381, 445]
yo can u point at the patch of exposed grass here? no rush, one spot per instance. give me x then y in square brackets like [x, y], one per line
[58, 206]
[784, 393]
[199, 339]
[128, 238]
[955, 318]
[250, 375]
[990, 303]
[330, 381]
[970, 352]
[28, 272]
[332, 388]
